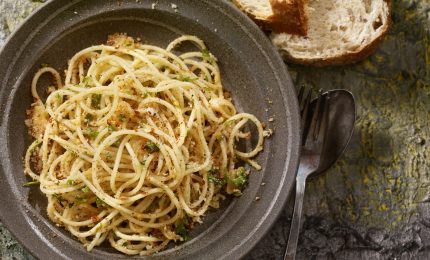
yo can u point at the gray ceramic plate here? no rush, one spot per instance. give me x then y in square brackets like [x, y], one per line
[251, 69]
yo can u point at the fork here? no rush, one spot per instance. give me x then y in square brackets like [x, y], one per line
[313, 137]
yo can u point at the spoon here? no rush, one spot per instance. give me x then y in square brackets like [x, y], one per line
[341, 121]
[341, 124]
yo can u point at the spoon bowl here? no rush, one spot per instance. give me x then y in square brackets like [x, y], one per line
[341, 121]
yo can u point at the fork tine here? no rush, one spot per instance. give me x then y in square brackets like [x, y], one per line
[315, 122]
[303, 97]
[321, 116]
[307, 101]
[304, 113]
[325, 118]
[300, 96]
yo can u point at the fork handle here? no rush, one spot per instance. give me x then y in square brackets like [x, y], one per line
[290, 253]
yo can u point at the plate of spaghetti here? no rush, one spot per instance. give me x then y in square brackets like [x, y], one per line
[138, 128]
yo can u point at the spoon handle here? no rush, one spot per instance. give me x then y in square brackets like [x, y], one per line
[290, 253]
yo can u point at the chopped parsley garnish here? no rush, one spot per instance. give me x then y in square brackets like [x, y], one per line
[208, 89]
[95, 100]
[31, 183]
[121, 117]
[220, 137]
[216, 180]
[92, 133]
[109, 156]
[111, 128]
[70, 182]
[99, 226]
[128, 43]
[88, 82]
[229, 122]
[117, 143]
[181, 229]
[85, 189]
[238, 178]
[44, 65]
[100, 203]
[207, 56]
[151, 147]
[89, 118]
[213, 177]
[187, 79]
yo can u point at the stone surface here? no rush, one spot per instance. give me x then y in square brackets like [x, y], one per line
[9, 248]
[375, 202]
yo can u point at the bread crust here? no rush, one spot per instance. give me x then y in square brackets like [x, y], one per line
[347, 58]
[258, 20]
[283, 10]
[288, 17]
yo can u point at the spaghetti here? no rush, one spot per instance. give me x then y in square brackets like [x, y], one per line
[137, 143]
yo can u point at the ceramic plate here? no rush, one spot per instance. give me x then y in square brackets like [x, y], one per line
[251, 69]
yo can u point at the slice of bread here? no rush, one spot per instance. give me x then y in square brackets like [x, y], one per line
[340, 32]
[280, 16]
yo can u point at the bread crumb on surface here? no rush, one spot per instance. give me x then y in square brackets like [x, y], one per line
[268, 133]
[257, 198]
[37, 119]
